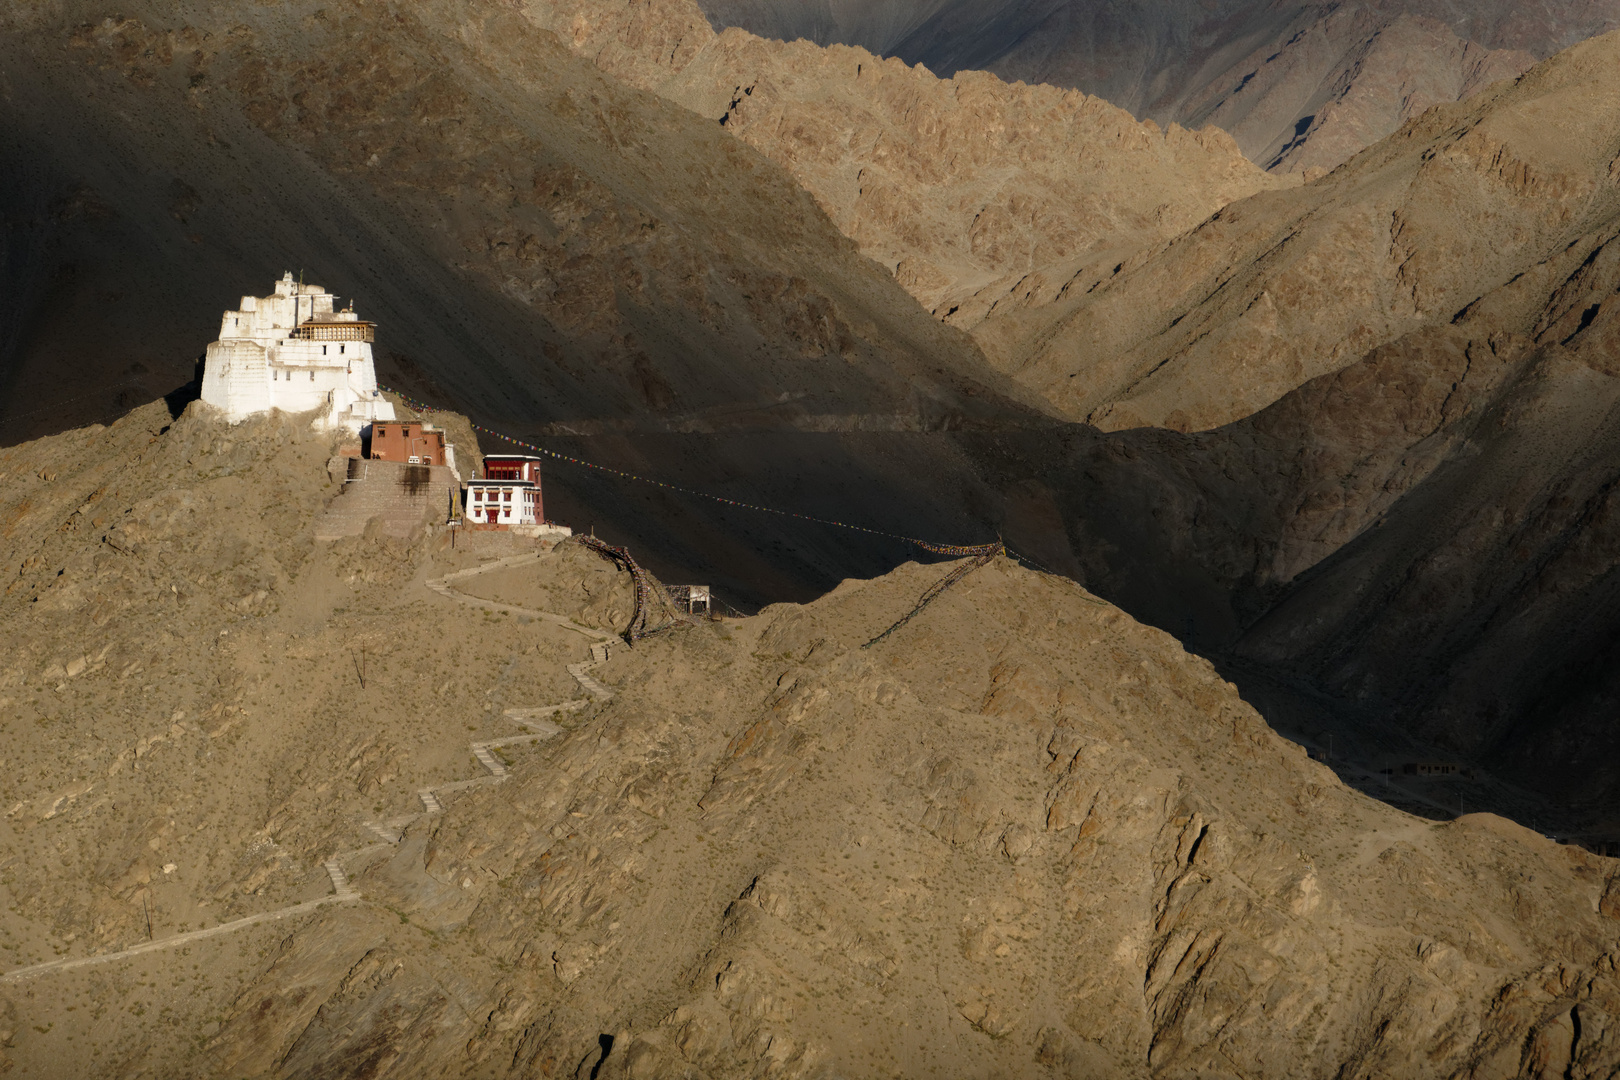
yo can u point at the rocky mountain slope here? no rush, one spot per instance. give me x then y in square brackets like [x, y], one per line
[1023, 834]
[1414, 556]
[1411, 552]
[1519, 185]
[969, 190]
[1352, 78]
[1300, 87]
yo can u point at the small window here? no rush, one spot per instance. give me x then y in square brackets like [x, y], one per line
[323, 350]
[506, 497]
[340, 348]
[312, 376]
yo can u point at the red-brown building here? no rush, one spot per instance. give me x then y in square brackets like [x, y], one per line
[512, 467]
[409, 441]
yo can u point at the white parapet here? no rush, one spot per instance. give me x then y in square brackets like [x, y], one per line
[293, 351]
[543, 532]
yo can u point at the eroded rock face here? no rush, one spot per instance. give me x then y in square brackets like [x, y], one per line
[1352, 79]
[1022, 834]
[972, 192]
[1334, 77]
[1288, 285]
[1426, 537]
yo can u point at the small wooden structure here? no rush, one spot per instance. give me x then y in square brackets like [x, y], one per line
[694, 598]
[350, 330]
[1436, 768]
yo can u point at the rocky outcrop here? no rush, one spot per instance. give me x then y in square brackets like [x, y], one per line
[971, 191]
[1351, 79]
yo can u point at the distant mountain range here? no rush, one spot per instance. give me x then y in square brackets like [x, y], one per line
[1300, 86]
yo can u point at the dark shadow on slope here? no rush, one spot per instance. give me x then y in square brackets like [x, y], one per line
[1416, 559]
[183, 395]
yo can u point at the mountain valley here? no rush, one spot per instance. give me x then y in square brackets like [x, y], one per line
[1270, 731]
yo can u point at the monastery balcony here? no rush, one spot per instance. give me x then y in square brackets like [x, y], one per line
[348, 330]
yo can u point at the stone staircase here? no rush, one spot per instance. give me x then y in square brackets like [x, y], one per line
[341, 889]
[403, 496]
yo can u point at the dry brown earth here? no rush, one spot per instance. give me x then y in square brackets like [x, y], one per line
[1023, 835]
[201, 704]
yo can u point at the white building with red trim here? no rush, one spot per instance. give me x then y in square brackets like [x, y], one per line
[507, 494]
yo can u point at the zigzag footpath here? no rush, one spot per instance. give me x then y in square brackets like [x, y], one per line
[443, 588]
[392, 830]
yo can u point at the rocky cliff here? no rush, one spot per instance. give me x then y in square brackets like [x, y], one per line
[1330, 77]
[966, 189]
[1520, 184]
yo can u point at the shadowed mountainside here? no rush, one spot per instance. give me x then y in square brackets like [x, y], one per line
[538, 242]
[970, 190]
[550, 250]
[1416, 554]
[815, 382]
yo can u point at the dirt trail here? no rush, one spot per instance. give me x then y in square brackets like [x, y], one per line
[392, 831]
[443, 587]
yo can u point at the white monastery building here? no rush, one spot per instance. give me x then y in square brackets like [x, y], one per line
[291, 351]
[508, 494]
